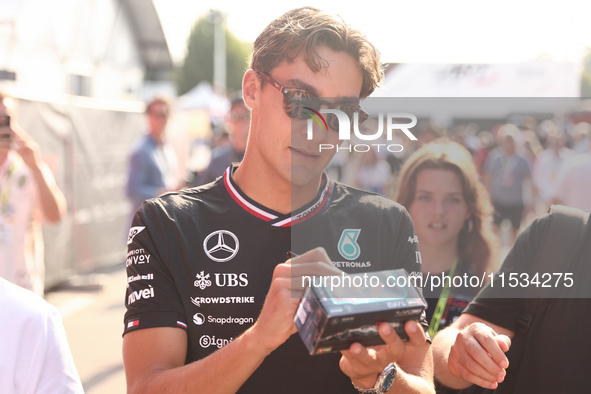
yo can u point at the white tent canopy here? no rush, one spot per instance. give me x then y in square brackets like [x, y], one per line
[203, 97]
[534, 79]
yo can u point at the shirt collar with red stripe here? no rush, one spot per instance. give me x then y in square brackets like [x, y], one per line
[273, 218]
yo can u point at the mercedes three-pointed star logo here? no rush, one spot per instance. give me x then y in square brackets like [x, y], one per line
[221, 246]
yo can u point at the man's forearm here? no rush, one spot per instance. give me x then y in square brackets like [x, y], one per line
[221, 372]
[441, 347]
[411, 384]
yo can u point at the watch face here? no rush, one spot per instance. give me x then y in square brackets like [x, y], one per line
[388, 379]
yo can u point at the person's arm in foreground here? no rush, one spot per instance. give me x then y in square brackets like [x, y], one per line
[413, 360]
[154, 358]
[52, 201]
[471, 350]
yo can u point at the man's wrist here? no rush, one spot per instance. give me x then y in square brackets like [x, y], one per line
[383, 382]
[256, 343]
[367, 382]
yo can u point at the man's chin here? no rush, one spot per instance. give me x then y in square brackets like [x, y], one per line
[303, 176]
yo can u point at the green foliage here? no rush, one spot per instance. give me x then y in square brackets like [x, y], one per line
[586, 74]
[198, 63]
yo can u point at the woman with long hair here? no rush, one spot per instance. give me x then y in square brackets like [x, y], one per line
[452, 214]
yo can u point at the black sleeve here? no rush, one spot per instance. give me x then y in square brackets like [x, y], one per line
[501, 305]
[151, 298]
[406, 245]
[407, 255]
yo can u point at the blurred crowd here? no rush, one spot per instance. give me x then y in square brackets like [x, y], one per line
[526, 164]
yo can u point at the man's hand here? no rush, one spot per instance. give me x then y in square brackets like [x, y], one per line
[52, 201]
[477, 355]
[275, 323]
[27, 148]
[363, 365]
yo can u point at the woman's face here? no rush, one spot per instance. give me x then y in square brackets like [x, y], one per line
[439, 209]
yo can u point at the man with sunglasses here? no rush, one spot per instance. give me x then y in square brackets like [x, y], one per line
[211, 299]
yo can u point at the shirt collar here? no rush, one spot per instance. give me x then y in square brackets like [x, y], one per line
[273, 218]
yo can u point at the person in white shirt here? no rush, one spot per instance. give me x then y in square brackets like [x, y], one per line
[573, 187]
[34, 354]
[28, 193]
[547, 166]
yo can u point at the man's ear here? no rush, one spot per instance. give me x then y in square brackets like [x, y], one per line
[250, 88]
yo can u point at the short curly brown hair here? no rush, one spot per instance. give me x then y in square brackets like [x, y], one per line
[306, 28]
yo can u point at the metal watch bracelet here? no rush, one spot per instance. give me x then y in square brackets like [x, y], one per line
[383, 383]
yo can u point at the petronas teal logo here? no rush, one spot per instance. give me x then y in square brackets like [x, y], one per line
[348, 246]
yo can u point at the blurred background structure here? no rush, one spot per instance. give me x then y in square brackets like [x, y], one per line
[78, 77]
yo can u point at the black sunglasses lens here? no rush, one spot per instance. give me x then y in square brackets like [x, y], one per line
[353, 113]
[295, 102]
[333, 121]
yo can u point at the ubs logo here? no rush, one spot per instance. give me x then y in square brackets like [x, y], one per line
[221, 246]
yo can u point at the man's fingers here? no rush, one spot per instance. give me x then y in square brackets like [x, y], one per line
[481, 347]
[504, 343]
[459, 369]
[415, 332]
[473, 366]
[484, 348]
[363, 361]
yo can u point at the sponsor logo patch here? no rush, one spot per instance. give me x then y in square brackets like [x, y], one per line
[348, 246]
[418, 257]
[221, 300]
[413, 240]
[206, 341]
[138, 259]
[198, 318]
[221, 246]
[202, 281]
[230, 320]
[139, 294]
[133, 232]
[352, 264]
[139, 277]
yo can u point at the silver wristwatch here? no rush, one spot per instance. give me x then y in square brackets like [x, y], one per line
[384, 382]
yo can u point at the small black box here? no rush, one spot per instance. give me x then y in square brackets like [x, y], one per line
[330, 318]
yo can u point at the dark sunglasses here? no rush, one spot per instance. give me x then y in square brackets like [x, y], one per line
[295, 100]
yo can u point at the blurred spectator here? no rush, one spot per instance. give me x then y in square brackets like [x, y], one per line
[452, 214]
[372, 174]
[573, 186]
[27, 193]
[35, 356]
[486, 144]
[531, 146]
[547, 166]
[505, 175]
[427, 133]
[581, 134]
[153, 168]
[238, 123]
